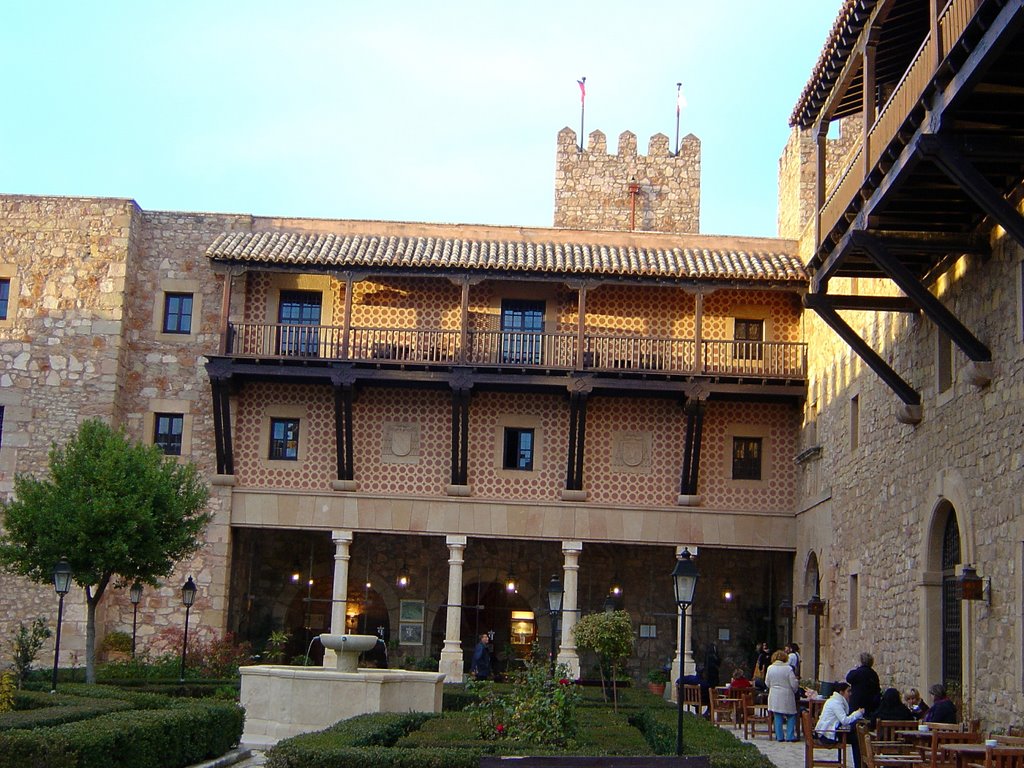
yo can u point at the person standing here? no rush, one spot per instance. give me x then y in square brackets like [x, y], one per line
[764, 658]
[480, 667]
[865, 693]
[782, 691]
[794, 658]
[712, 665]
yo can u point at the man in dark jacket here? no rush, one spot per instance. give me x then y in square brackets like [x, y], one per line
[865, 693]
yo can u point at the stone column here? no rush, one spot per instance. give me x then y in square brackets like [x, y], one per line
[686, 665]
[342, 541]
[570, 614]
[451, 653]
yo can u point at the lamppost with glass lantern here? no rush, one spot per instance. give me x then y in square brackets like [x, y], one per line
[816, 608]
[61, 585]
[188, 597]
[135, 595]
[684, 579]
[786, 612]
[554, 611]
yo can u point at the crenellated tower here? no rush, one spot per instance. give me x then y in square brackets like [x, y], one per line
[656, 192]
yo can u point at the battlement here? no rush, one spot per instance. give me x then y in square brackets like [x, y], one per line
[656, 192]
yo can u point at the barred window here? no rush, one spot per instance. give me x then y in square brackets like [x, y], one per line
[746, 458]
[284, 439]
[167, 432]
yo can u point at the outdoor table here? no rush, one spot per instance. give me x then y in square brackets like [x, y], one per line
[964, 752]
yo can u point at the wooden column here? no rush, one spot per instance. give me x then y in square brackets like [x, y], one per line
[869, 102]
[346, 321]
[820, 158]
[698, 330]
[464, 323]
[225, 311]
[581, 339]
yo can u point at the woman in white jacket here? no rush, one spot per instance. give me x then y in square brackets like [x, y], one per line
[836, 714]
[782, 690]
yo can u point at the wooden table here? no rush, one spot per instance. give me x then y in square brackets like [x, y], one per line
[964, 752]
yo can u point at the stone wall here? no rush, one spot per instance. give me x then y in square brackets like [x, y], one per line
[592, 187]
[875, 511]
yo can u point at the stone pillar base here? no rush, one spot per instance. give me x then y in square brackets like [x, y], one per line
[688, 500]
[451, 665]
[571, 659]
[344, 485]
[571, 495]
[458, 490]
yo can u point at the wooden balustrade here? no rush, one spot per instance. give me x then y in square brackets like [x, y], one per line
[520, 349]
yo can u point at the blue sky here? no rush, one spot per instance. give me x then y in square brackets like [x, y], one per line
[443, 111]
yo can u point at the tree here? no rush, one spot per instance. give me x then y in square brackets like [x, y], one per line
[117, 510]
[610, 636]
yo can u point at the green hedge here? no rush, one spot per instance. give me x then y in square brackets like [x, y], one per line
[658, 725]
[286, 756]
[178, 734]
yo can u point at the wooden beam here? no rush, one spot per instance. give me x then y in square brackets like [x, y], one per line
[895, 382]
[941, 152]
[869, 303]
[931, 306]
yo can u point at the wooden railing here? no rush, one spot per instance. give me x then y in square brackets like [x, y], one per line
[904, 99]
[526, 350]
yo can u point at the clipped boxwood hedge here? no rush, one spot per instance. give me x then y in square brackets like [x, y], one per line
[149, 731]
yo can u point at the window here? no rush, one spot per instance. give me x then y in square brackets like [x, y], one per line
[177, 313]
[1, 425]
[746, 458]
[284, 439]
[748, 335]
[518, 453]
[302, 310]
[952, 648]
[854, 600]
[167, 432]
[944, 362]
[5, 296]
[522, 328]
[854, 422]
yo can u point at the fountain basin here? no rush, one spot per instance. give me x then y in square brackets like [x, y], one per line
[348, 648]
[285, 701]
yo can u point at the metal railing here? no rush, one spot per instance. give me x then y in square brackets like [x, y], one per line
[519, 349]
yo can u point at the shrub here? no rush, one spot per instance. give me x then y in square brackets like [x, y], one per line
[178, 735]
[539, 709]
[6, 692]
[117, 641]
[610, 636]
[207, 654]
[26, 645]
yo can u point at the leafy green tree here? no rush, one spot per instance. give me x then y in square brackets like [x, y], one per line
[610, 636]
[119, 511]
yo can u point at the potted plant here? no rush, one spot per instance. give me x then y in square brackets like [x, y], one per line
[656, 681]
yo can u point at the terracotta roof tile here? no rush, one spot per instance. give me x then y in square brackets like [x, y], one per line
[453, 253]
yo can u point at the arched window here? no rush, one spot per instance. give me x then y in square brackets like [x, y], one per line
[951, 634]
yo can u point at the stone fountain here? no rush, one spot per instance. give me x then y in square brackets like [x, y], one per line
[283, 701]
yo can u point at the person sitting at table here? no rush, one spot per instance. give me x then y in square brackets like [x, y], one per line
[782, 690]
[912, 698]
[942, 709]
[697, 678]
[739, 680]
[891, 708]
[836, 714]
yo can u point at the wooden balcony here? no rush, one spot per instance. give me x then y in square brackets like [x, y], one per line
[895, 121]
[622, 356]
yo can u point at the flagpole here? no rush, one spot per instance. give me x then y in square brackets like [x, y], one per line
[583, 105]
[679, 93]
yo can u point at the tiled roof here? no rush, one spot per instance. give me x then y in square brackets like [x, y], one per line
[848, 24]
[452, 253]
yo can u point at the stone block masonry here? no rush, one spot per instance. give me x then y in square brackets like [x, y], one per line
[592, 187]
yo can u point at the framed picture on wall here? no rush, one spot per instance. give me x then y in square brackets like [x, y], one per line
[410, 610]
[410, 634]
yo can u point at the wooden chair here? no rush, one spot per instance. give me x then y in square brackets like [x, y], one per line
[755, 715]
[869, 759]
[691, 698]
[815, 751]
[886, 741]
[1004, 757]
[722, 709]
[934, 754]
[1010, 740]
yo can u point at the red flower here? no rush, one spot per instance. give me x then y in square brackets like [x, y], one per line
[565, 681]
[500, 728]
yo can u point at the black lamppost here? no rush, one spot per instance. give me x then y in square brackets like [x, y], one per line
[61, 585]
[684, 578]
[135, 595]
[786, 612]
[816, 608]
[188, 597]
[554, 610]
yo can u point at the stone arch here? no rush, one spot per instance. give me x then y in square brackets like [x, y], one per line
[949, 510]
[811, 647]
